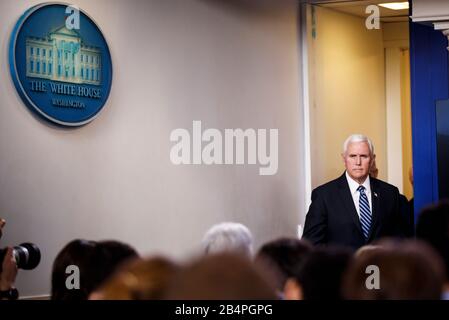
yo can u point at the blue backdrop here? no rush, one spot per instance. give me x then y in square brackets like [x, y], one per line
[429, 83]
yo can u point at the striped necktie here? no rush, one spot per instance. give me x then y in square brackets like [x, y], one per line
[365, 212]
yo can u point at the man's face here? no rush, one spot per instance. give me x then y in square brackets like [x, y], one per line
[358, 160]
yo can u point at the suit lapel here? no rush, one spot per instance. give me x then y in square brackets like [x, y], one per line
[346, 197]
[375, 195]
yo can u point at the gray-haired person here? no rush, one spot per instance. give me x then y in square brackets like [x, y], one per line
[354, 209]
[228, 236]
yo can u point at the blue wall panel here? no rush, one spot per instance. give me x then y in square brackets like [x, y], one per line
[429, 83]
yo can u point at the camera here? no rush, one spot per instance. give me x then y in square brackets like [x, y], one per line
[27, 256]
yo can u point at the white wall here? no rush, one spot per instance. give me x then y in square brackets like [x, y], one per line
[396, 40]
[430, 10]
[230, 64]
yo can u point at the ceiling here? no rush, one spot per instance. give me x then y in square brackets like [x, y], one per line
[358, 8]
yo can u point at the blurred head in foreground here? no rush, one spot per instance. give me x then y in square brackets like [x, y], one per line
[320, 276]
[395, 271]
[433, 228]
[222, 276]
[89, 263]
[282, 257]
[139, 279]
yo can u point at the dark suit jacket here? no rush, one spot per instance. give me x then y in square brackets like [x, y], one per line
[333, 218]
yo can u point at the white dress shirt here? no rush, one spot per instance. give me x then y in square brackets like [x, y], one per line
[353, 185]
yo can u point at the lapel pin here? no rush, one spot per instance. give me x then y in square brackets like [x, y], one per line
[375, 194]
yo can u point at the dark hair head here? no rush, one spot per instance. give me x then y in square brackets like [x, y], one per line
[114, 254]
[321, 274]
[79, 253]
[433, 228]
[283, 257]
[95, 262]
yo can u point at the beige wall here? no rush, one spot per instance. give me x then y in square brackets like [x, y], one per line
[347, 81]
[230, 64]
[395, 34]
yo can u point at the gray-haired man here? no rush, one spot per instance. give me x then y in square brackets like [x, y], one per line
[354, 209]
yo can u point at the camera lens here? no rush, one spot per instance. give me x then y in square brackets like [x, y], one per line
[27, 256]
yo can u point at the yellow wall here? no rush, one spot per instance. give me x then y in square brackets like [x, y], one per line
[347, 90]
[396, 35]
[407, 161]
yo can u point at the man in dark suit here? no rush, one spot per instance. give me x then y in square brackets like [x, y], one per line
[405, 206]
[354, 209]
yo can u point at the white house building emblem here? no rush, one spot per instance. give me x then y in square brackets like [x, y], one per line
[63, 74]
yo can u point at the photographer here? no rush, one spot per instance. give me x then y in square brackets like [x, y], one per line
[8, 272]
